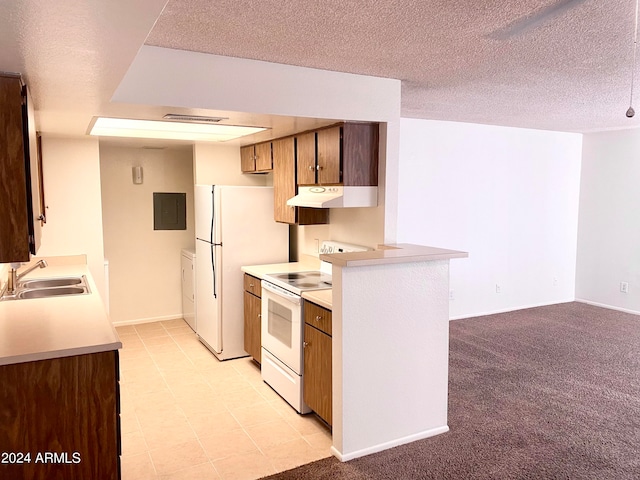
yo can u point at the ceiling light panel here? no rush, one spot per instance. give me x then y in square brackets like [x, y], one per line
[129, 128]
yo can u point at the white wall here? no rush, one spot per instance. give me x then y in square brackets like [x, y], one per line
[71, 177]
[236, 84]
[144, 264]
[507, 196]
[215, 164]
[609, 229]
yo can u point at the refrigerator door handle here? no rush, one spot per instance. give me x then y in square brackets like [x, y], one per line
[213, 270]
[213, 214]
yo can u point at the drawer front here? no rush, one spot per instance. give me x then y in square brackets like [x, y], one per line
[318, 317]
[252, 285]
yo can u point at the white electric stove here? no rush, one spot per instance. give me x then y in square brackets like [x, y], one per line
[283, 324]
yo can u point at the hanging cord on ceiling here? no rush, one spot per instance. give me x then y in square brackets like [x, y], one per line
[631, 112]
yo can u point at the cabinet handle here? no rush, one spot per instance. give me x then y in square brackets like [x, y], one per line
[259, 315]
[305, 344]
[319, 167]
[318, 317]
[310, 167]
[251, 285]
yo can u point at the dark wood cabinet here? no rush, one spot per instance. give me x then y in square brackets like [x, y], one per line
[343, 154]
[317, 360]
[20, 188]
[284, 187]
[256, 158]
[67, 409]
[252, 317]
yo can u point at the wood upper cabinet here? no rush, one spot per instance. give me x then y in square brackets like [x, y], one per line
[264, 159]
[284, 187]
[329, 156]
[343, 154]
[68, 406]
[20, 188]
[256, 158]
[306, 158]
[248, 159]
[253, 317]
[317, 386]
[284, 179]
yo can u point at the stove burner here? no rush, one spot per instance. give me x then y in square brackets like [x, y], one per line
[306, 285]
[291, 276]
[313, 274]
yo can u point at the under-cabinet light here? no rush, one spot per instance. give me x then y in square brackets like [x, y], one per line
[126, 127]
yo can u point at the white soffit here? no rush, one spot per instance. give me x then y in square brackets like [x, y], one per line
[235, 84]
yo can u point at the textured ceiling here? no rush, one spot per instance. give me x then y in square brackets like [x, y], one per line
[506, 62]
[570, 71]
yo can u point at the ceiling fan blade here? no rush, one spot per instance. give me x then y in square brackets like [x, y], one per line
[533, 20]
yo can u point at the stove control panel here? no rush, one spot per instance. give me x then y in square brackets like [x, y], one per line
[329, 246]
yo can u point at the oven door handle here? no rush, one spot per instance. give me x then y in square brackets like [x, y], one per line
[281, 292]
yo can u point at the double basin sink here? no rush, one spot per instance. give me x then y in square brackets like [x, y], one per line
[49, 287]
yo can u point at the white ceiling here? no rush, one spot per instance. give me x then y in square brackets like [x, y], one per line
[505, 62]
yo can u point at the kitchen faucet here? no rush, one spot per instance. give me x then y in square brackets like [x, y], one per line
[12, 283]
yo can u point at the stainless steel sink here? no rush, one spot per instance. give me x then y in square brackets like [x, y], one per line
[51, 292]
[49, 287]
[50, 282]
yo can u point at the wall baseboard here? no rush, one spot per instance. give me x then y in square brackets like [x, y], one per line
[344, 457]
[513, 309]
[610, 307]
[137, 321]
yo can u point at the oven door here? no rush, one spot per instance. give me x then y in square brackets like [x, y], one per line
[282, 325]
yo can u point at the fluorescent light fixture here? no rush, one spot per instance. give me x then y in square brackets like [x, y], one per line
[126, 127]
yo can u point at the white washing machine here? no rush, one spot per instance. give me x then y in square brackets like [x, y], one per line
[189, 287]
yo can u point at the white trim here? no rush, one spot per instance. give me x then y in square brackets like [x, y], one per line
[386, 445]
[513, 309]
[610, 307]
[136, 321]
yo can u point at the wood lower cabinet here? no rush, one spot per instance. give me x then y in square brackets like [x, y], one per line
[317, 380]
[64, 414]
[253, 317]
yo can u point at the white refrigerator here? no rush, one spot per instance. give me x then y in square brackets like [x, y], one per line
[234, 227]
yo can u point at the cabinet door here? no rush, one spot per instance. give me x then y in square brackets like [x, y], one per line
[247, 159]
[317, 372]
[67, 404]
[329, 156]
[306, 158]
[14, 234]
[264, 160]
[318, 317]
[284, 182]
[252, 326]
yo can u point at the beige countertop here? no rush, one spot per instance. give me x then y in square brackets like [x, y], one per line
[321, 297]
[324, 298]
[306, 263]
[395, 253]
[44, 328]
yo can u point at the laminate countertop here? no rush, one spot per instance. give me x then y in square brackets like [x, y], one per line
[44, 328]
[305, 263]
[394, 253]
[320, 297]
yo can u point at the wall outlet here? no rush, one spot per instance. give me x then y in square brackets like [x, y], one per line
[498, 288]
[451, 296]
[555, 281]
[624, 287]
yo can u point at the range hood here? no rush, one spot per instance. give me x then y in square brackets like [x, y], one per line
[335, 197]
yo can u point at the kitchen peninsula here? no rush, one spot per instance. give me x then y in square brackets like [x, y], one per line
[59, 399]
[390, 346]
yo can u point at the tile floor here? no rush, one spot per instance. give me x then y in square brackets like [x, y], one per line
[185, 415]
